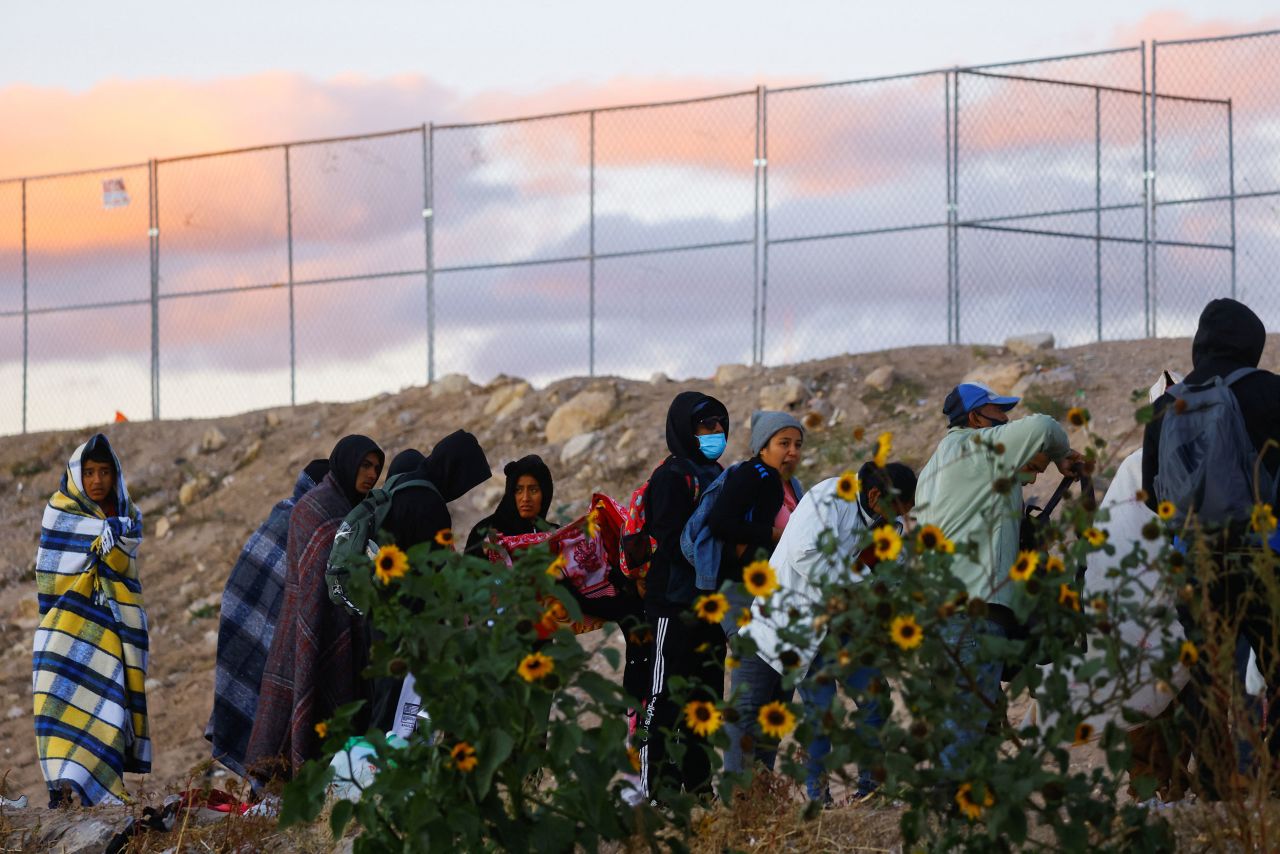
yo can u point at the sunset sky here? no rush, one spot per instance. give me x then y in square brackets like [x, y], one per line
[131, 81]
[90, 83]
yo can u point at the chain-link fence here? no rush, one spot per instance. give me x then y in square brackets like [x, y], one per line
[1104, 195]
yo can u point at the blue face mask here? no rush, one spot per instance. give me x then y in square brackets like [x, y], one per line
[713, 445]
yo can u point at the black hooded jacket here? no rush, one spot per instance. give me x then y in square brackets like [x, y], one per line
[1229, 336]
[344, 463]
[669, 585]
[506, 518]
[456, 465]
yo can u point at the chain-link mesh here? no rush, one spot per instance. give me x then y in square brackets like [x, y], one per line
[1216, 159]
[1110, 193]
[11, 327]
[857, 187]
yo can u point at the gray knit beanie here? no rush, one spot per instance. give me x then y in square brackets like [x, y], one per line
[766, 423]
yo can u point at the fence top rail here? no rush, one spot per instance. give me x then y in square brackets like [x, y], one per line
[588, 110]
[1059, 58]
[1097, 86]
[75, 173]
[1203, 39]
[298, 144]
[883, 78]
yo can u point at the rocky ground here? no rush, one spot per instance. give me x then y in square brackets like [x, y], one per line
[205, 485]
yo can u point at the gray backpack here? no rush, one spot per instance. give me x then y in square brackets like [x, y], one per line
[1207, 460]
[354, 540]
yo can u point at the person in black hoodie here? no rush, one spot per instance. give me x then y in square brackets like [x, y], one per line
[457, 465]
[1229, 336]
[524, 505]
[684, 646]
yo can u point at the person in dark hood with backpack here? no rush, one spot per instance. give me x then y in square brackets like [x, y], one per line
[319, 650]
[456, 466]
[524, 505]
[1227, 346]
[420, 514]
[684, 646]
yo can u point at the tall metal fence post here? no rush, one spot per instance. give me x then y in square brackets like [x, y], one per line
[955, 201]
[1155, 197]
[153, 232]
[430, 214]
[1146, 206]
[1097, 204]
[1231, 173]
[591, 248]
[756, 357]
[950, 209]
[293, 331]
[427, 214]
[764, 217]
[25, 326]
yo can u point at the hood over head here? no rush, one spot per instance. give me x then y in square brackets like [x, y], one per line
[506, 517]
[345, 459]
[1228, 333]
[456, 465]
[687, 408]
[309, 477]
[406, 461]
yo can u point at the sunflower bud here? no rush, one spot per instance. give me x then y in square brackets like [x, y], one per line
[1150, 531]
[398, 667]
[789, 658]
[919, 729]
[1001, 485]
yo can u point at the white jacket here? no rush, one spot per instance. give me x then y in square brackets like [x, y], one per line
[800, 566]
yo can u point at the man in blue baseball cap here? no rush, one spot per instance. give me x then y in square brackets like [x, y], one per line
[971, 490]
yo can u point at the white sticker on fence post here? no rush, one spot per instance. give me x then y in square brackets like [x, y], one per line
[114, 194]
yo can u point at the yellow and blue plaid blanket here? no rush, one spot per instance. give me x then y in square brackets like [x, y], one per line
[90, 661]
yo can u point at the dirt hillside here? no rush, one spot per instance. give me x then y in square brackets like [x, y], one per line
[205, 485]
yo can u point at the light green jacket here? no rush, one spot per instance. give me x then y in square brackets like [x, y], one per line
[955, 493]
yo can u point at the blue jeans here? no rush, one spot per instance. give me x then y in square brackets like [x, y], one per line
[817, 700]
[973, 708]
[753, 683]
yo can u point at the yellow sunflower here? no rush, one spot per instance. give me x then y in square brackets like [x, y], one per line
[731, 663]
[1054, 564]
[1068, 597]
[712, 607]
[1077, 416]
[744, 618]
[887, 542]
[1188, 654]
[930, 538]
[557, 567]
[464, 757]
[1263, 519]
[847, 487]
[1024, 566]
[971, 808]
[535, 666]
[444, 537]
[775, 719]
[1095, 537]
[884, 446]
[1166, 510]
[390, 563]
[905, 632]
[759, 578]
[322, 729]
[1084, 734]
[702, 717]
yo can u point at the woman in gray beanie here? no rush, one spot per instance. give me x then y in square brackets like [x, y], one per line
[748, 517]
